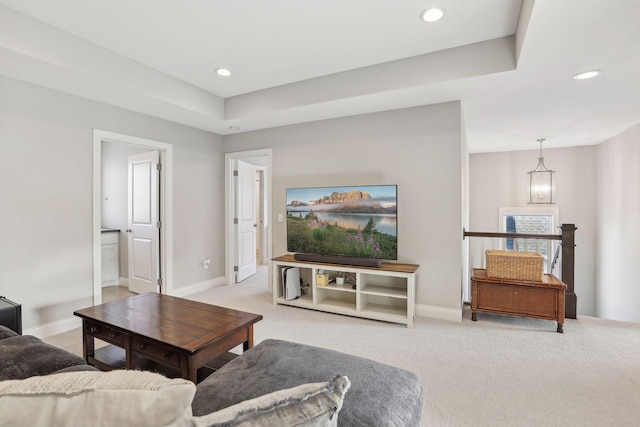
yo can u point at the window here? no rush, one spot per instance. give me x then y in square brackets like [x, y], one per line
[531, 220]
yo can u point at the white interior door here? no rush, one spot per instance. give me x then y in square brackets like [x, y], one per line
[143, 221]
[247, 223]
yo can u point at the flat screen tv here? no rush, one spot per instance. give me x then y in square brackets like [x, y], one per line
[355, 221]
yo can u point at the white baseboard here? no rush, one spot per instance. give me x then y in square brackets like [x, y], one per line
[199, 287]
[53, 328]
[441, 313]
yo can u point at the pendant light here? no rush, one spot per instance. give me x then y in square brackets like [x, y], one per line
[541, 182]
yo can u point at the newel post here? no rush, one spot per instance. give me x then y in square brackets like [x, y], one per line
[568, 268]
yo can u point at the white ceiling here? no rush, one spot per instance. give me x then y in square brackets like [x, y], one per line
[509, 62]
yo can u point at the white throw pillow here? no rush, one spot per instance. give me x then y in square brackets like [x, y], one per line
[315, 404]
[117, 398]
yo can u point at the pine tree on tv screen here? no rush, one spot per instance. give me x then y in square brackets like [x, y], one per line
[350, 221]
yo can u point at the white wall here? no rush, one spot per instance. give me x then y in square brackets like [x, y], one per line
[46, 192]
[500, 179]
[419, 149]
[618, 231]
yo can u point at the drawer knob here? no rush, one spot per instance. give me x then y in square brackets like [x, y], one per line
[93, 329]
[113, 335]
[141, 346]
[166, 355]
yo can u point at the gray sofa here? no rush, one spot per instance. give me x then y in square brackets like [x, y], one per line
[24, 356]
[380, 395]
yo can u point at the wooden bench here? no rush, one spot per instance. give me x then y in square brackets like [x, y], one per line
[541, 300]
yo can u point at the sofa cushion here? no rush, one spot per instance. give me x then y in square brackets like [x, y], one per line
[26, 356]
[308, 405]
[380, 395]
[6, 332]
[116, 398]
[77, 368]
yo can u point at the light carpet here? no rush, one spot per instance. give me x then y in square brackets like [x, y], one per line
[498, 371]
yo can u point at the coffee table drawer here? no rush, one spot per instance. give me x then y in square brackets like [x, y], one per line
[106, 334]
[156, 352]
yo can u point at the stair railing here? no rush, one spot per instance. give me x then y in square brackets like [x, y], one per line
[567, 242]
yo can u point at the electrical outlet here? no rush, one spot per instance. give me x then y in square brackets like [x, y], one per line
[206, 263]
[280, 217]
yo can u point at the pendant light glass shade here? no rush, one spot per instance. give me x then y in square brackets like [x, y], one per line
[541, 183]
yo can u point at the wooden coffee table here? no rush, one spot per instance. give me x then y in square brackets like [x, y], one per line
[160, 332]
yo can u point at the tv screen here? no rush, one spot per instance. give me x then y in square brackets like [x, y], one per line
[357, 221]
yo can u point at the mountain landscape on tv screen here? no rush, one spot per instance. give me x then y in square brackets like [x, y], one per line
[355, 221]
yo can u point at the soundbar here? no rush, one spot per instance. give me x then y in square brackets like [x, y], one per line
[337, 259]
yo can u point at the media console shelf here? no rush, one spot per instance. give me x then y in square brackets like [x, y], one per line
[384, 293]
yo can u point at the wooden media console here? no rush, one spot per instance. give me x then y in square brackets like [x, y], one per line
[384, 293]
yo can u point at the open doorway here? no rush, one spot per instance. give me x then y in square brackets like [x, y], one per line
[126, 146]
[247, 219]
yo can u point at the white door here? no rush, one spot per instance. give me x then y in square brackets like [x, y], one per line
[143, 222]
[246, 215]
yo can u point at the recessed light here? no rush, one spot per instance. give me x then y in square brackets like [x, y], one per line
[223, 72]
[586, 75]
[432, 14]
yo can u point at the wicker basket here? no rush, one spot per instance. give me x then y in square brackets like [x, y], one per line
[514, 265]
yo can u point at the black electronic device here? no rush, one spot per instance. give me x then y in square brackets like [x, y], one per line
[11, 315]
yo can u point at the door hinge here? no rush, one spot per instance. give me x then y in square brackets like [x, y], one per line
[235, 268]
[159, 281]
[235, 220]
[159, 166]
[235, 173]
[159, 224]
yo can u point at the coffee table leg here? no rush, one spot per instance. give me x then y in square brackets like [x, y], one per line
[87, 343]
[249, 342]
[193, 373]
[128, 354]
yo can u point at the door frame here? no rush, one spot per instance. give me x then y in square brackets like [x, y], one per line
[230, 202]
[166, 206]
[263, 241]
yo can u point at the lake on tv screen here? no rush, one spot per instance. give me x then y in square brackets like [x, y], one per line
[357, 221]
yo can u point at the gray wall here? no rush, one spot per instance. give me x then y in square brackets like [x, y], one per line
[419, 149]
[618, 231]
[46, 144]
[500, 180]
